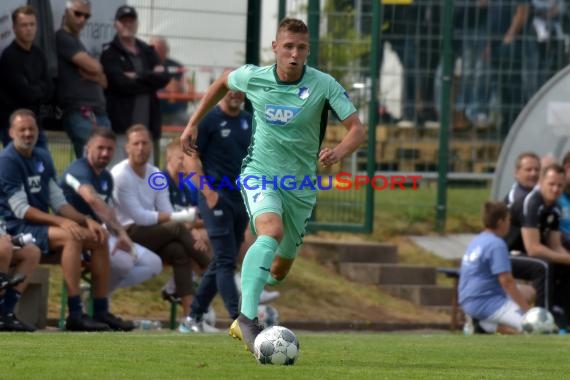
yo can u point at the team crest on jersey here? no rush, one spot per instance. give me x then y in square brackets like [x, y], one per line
[244, 124]
[258, 197]
[303, 93]
[40, 167]
[280, 115]
[104, 186]
[225, 132]
[35, 184]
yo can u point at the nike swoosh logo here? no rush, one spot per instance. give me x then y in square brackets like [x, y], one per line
[267, 89]
[265, 269]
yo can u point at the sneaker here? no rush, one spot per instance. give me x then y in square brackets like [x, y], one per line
[195, 325]
[171, 297]
[9, 281]
[85, 323]
[114, 322]
[267, 296]
[9, 322]
[246, 330]
[189, 325]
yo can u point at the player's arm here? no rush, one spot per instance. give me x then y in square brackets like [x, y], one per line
[534, 247]
[510, 287]
[89, 68]
[103, 211]
[213, 95]
[517, 23]
[194, 165]
[354, 138]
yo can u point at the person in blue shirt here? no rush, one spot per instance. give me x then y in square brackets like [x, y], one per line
[487, 289]
[564, 204]
[28, 190]
[223, 139]
[87, 185]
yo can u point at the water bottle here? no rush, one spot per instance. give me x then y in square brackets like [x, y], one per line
[468, 327]
[146, 324]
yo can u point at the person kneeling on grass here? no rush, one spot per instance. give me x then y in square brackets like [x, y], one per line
[487, 289]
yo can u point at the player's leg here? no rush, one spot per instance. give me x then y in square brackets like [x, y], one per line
[296, 215]
[24, 262]
[265, 209]
[506, 320]
[100, 270]
[58, 238]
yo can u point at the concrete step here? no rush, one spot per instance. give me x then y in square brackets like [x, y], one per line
[337, 251]
[388, 274]
[425, 295]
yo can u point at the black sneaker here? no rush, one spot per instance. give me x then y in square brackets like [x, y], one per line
[9, 322]
[85, 323]
[171, 297]
[246, 330]
[8, 281]
[114, 322]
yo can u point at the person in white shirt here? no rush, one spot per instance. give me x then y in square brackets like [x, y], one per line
[148, 216]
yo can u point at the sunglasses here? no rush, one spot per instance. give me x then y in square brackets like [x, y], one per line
[79, 14]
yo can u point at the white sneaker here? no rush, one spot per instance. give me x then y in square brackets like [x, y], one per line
[267, 297]
[190, 325]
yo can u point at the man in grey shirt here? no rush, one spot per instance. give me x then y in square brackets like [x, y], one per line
[81, 79]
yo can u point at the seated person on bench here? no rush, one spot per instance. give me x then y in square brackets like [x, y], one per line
[487, 289]
[88, 186]
[28, 190]
[21, 262]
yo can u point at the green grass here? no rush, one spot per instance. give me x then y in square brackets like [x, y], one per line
[323, 356]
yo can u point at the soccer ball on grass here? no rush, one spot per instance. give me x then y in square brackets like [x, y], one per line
[276, 345]
[538, 320]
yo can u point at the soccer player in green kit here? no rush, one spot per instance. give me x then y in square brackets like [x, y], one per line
[290, 105]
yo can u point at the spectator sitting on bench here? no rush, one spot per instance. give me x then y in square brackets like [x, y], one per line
[144, 209]
[28, 190]
[534, 270]
[487, 289]
[564, 204]
[23, 260]
[88, 186]
[542, 242]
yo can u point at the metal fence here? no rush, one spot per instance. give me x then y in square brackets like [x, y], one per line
[502, 52]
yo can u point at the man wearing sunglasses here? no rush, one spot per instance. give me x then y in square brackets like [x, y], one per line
[81, 79]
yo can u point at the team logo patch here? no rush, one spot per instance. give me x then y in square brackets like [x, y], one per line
[280, 115]
[35, 184]
[225, 132]
[303, 93]
[258, 197]
[244, 124]
[40, 167]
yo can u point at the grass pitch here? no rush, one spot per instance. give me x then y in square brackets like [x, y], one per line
[166, 355]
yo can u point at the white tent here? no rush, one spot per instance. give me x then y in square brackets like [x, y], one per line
[543, 127]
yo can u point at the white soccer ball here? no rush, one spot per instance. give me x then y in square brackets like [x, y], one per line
[276, 345]
[267, 315]
[538, 320]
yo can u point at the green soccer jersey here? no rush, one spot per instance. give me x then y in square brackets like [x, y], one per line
[289, 118]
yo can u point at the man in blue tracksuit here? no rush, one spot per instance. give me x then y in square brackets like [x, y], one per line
[223, 139]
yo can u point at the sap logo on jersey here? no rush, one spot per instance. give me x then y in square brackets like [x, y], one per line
[280, 115]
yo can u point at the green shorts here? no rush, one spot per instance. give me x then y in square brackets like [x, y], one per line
[294, 206]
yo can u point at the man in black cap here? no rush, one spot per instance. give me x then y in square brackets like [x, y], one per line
[134, 74]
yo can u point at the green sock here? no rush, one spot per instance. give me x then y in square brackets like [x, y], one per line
[254, 270]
